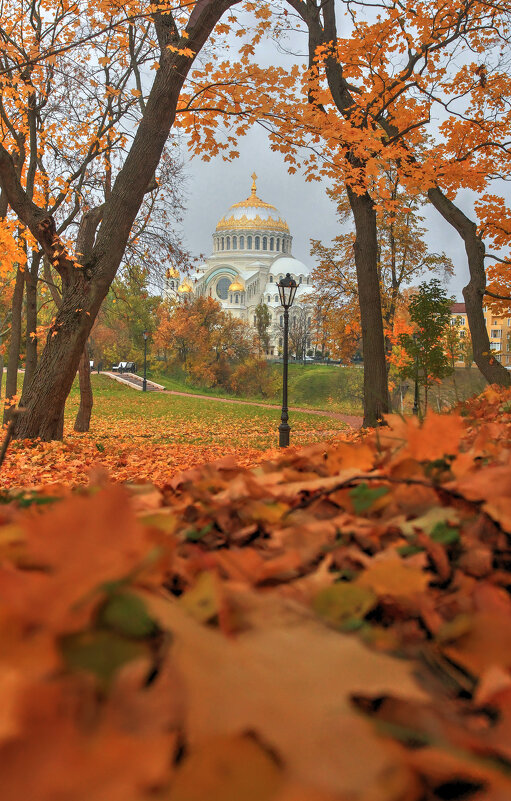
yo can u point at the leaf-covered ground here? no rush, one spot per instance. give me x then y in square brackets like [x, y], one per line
[334, 625]
[149, 437]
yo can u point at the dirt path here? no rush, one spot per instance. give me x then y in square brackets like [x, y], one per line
[350, 419]
[134, 381]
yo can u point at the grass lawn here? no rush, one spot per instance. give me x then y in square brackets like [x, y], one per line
[152, 436]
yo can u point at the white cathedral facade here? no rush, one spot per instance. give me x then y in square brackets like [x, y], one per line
[251, 253]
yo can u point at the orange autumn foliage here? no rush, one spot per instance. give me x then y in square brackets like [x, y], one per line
[191, 642]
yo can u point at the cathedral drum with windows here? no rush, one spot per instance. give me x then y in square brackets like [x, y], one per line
[251, 253]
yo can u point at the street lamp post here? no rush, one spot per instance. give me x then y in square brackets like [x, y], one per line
[287, 290]
[144, 382]
[415, 409]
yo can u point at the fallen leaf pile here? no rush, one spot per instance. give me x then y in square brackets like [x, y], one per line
[334, 625]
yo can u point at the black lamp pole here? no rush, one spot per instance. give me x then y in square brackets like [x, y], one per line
[415, 409]
[287, 290]
[284, 427]
[144, 383]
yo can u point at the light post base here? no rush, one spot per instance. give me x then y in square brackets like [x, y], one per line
[284, 430]
[144, 385]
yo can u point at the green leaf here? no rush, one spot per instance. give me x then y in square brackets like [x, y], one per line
[100, 447]
[409, 550]
[363, 496]
[444, 534]
[100, 652]
[126, 614]
[343, 602]
[194, 535]
[26, 499]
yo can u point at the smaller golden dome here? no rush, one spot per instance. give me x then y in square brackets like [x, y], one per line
[185, 287]
[236, 286]
[172, 273]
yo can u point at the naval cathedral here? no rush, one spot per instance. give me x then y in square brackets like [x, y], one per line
[251, 253]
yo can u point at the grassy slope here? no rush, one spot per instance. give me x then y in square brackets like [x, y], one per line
[339, 389]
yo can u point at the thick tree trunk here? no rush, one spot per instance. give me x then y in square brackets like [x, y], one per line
[82, 421]
[11, 379]
[491, 368]
[31, 278]
[376, 395]
[83, 290]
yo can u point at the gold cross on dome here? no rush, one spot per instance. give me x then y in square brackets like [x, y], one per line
[254, 187]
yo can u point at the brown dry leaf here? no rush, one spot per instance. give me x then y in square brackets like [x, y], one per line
[493, 681]
[488, 643]
[344, 456]
[486, 484]
[439, 435]
[288, 680]
[500, 510]
[227, 768]
[78, 545]
[442, 768]
[390, 576]
[56, 759]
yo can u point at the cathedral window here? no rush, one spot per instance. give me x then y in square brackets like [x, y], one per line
[268, 298]
[272, 242]
[276, 298]
[237, 299]
[223, 243]
[257, 243]
[228, 243]
[282, 319]
[222, 288]
[249, 243]
[278, 244]
[235, 243]
[265, 243]
[271, 279]
[255, 320]
[242, 242]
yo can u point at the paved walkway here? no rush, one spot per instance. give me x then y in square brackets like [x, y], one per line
[134, 381]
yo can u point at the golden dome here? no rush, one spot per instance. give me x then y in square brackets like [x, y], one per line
[185, 287]
[253, 213]
[172, 273]
[236, 286]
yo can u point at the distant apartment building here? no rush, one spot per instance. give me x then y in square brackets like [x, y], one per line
[499, 331]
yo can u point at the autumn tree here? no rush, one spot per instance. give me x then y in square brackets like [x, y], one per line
[430, 315]
[208, 344]
[263, 322]
[403, 256]
[300, 329]
[179, 35]
[129, 309]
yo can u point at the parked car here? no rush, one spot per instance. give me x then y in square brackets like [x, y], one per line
[125, 367]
